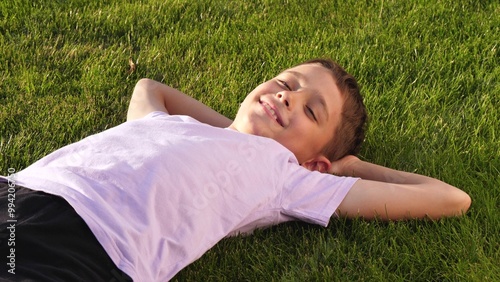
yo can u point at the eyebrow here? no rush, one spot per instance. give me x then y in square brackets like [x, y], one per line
[320, 99]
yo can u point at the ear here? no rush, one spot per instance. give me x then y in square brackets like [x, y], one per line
[320, 163]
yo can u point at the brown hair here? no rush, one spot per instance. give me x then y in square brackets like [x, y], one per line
[350, 132]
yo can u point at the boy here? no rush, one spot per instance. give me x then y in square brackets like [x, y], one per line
[159, 190]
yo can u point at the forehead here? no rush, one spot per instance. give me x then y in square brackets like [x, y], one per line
[313, 75]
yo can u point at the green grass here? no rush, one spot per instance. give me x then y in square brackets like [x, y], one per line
[430, 74]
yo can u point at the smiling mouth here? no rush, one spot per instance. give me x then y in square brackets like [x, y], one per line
[271, 112]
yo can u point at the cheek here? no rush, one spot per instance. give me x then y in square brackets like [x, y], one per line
[261, 89]
[309, 139]
[246, 102]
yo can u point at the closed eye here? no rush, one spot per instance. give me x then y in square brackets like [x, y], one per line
[284, 84]
[311, 112]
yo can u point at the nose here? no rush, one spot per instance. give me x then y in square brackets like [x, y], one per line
[284, 97]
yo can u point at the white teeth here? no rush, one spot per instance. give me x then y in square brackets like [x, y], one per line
[271, 110]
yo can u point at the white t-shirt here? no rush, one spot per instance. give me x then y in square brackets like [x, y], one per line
[160, 191]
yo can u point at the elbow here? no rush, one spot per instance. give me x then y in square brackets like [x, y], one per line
[140, 99]
[140, 88]
[143, 84]
[465, 202]
[458, 202]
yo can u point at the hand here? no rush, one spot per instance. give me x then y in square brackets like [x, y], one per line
[343, 166]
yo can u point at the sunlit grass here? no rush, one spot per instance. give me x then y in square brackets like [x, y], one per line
[429, 72]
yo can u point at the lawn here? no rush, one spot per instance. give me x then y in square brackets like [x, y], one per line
[430, 76]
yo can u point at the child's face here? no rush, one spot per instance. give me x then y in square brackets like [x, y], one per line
[299, 108]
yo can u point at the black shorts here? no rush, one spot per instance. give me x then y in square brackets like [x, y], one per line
[42, 238]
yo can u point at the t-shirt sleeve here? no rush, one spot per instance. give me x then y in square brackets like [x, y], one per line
[313, 196]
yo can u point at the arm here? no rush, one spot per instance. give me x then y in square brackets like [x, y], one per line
[150, 95]
[392, 195]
